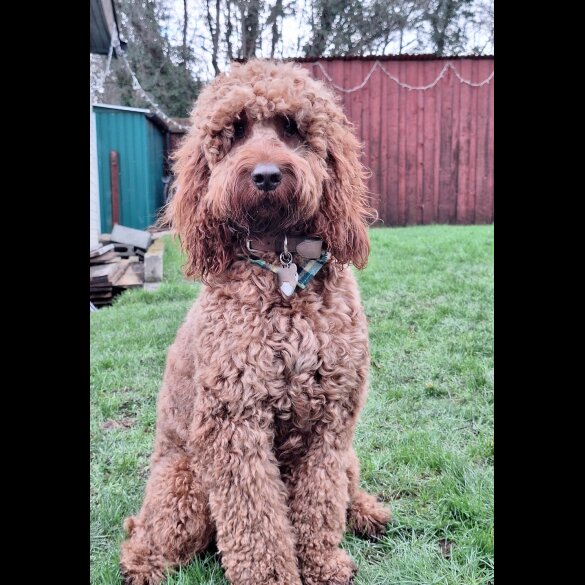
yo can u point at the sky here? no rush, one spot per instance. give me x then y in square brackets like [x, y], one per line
[292, 28]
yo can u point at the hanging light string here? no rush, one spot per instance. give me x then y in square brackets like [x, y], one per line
[138, 88]
[115, 45]
[113, 37]
[379, 65]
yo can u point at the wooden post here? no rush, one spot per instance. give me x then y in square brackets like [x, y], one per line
[115, 183]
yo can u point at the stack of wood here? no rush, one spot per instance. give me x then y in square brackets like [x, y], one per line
[118, 264]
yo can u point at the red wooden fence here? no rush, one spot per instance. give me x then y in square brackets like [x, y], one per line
[430, 150]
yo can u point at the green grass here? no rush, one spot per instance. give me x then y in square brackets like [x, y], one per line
[425, 438]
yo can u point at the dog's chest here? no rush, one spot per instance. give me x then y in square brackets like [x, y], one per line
[295, 358]
[297, 393]
[309, 358]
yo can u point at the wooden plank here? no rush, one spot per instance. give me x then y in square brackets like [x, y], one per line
[429, 145]
[381, 130]
[102, 302]
[383, 154]
[410, 141]
[483, 204]
[420, 138]
[392, 166]
[346, 68]
[108, 271]
[115, 186]
[402, 124]
[437, 142]
[446, 122]
[464, 138]
[105, 259]
[366, 106]
[454, 175]
[100, 251]
[471, 185]
[131, 237]
[101, 270]
[490, 149]
[101, 295]
[128, 279]
[355, 98]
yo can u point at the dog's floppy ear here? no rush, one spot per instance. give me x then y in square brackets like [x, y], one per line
[205, 240]
[345, 213]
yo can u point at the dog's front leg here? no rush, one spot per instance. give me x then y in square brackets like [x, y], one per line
[318, 503]
[248, 499]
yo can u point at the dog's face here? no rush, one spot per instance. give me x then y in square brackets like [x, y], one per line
[265, 177]
[269, 151]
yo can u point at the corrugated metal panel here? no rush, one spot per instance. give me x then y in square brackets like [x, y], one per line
[430, 152]
[155, 158]
[139, 146]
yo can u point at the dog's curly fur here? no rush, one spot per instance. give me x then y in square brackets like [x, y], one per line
[261, 393]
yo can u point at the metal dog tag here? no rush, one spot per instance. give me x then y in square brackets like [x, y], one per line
[287, 278]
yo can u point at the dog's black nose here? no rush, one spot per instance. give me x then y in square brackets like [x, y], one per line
[266, 176]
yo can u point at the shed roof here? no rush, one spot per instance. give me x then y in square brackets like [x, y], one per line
[102, 20]
[402, 57]
[125, 108]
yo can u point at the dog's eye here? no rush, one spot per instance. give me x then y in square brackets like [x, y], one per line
[290, 127]
[239, 129]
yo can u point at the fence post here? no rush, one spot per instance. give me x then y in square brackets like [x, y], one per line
[115, 183]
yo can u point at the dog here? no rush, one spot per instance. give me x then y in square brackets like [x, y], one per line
[266, 378]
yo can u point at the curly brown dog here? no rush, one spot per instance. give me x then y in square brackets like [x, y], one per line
[266, 378]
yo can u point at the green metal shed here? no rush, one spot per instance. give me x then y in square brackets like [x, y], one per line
[135, 194]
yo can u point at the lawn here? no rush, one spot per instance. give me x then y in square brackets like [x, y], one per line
[425, 438]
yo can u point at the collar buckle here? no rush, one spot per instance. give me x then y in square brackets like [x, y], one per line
[249, 246]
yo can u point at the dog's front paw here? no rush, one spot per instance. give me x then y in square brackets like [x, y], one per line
[328, 568]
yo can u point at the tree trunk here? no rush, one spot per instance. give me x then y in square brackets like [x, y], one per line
[214, 32]
[250, 27]
[185, 23]
[229, 30]
[277, 11]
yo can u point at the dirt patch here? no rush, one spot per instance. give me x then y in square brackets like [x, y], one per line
[123, 423]
[446, 546]
[402, 493]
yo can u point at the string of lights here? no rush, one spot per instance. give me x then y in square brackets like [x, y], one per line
[137, 87]
[109, 61]
[115, 46]
[379, 65]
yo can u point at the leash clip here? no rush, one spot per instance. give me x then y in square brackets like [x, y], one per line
[286, 256]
